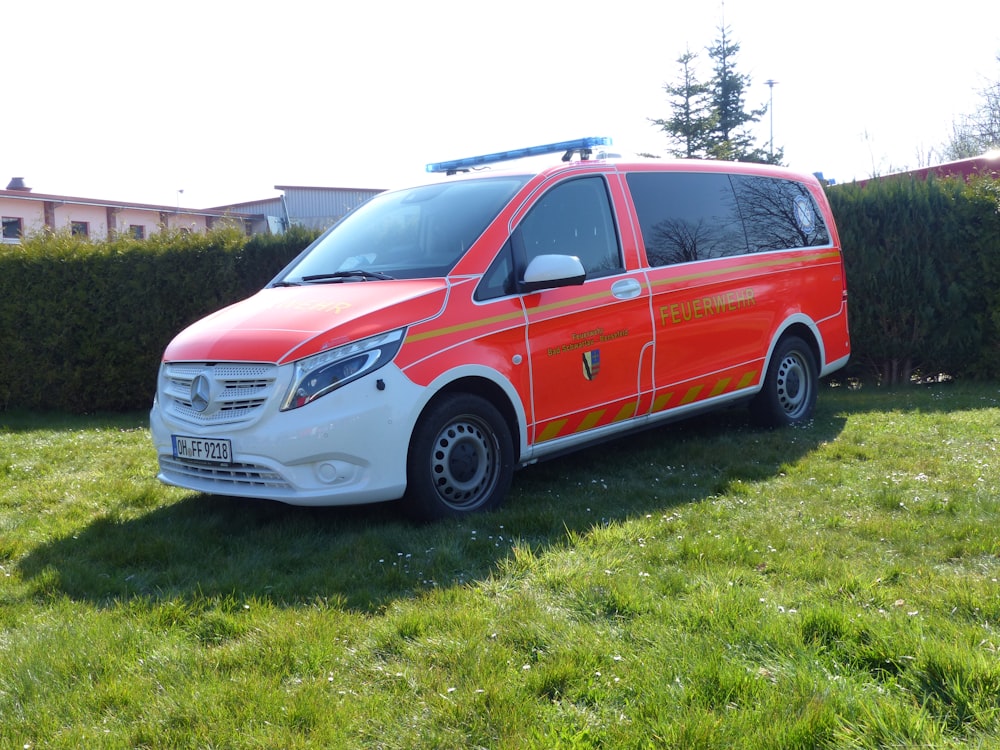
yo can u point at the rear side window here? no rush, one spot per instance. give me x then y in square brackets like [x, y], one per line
[687, 216]
[778, 214]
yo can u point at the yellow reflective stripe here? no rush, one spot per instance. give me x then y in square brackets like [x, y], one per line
[590, 420]
[626, 412]
[767, 263]
[559, 304]
[603, 294]
[691, 395]
[552, 429]
[458, 328]
[506, 317]
[719, 387]
[661, 401]
[555, 429]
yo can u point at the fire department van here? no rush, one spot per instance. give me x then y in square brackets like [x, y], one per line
[441, 336]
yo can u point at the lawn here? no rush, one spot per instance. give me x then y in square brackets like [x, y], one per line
[702, 585]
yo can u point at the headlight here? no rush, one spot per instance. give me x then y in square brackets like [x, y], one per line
[318, 375]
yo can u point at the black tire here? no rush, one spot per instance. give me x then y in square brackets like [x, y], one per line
[461, 459]
[788, 395]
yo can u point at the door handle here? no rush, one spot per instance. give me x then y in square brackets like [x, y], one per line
[626, 289]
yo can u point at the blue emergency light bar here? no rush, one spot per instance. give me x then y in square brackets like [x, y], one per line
[583, 145]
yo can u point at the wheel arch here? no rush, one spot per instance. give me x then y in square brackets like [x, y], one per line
[805, 329]
[502, 396]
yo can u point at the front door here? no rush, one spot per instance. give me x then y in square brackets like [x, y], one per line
[587, 343]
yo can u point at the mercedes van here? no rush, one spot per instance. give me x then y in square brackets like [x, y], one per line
[441, 336]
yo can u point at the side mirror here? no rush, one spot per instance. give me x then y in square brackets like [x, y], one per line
[551, 271]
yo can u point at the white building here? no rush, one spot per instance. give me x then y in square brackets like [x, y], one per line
[26, 212]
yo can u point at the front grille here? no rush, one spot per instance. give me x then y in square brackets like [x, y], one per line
[237, 391]
[228, 476]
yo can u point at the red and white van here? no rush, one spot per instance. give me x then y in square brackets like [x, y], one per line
[440, 336]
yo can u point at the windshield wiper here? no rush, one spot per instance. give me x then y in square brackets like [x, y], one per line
[345, 275]
[285, 283]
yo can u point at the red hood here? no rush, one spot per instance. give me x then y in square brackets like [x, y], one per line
[287, 323]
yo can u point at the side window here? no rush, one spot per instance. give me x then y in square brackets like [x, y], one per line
[574, 218]
[779, 214]
[498, 281]
[687, 216]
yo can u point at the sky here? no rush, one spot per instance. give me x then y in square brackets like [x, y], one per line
[201, 103]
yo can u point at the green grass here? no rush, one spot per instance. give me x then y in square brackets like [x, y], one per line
[703, 585]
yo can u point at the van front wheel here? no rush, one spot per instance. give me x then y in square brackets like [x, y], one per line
[788, 395]
[461, 459]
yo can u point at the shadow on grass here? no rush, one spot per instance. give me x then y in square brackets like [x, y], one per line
[365, 558]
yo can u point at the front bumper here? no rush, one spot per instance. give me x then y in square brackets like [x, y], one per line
[348, 447]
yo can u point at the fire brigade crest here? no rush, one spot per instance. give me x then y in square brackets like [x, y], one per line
[591, 364]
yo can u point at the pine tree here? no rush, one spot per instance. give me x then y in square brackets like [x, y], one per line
[730, 138]
[710, 120]
[692, 119]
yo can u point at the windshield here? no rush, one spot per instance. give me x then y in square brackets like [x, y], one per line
[406, 234]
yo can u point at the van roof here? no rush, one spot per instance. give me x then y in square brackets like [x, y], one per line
[594, 150]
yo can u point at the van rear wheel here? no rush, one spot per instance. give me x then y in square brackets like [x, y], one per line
[788, 395]
[461, 459]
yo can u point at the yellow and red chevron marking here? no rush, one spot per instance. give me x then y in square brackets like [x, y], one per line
[687, 393]
[708, 387]
[588, 420]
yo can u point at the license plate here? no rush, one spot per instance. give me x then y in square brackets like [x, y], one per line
[209, 450]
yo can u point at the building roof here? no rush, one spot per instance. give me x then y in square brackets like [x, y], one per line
[319, 187]
[987, 165]
[314, 188]
[30, 195]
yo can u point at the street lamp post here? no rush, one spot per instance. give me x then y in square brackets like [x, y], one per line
[770, 108]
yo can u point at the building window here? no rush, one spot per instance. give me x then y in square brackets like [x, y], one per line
[80, 228]
[138, 231]
[12, 228]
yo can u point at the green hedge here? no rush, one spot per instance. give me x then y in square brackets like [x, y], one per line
[83, 324]
[923, 276]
